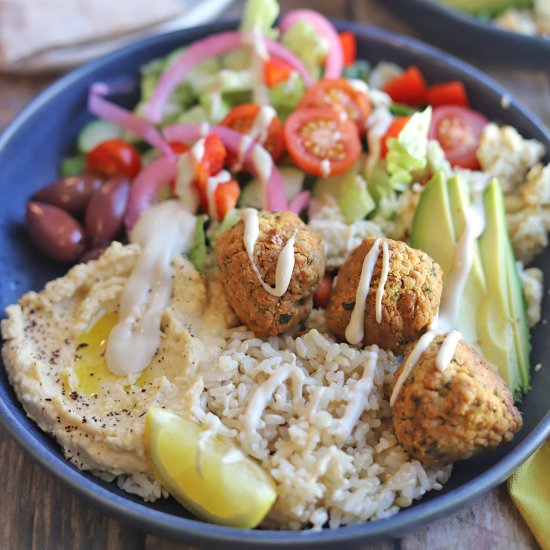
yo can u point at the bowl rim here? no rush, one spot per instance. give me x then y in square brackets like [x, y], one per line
[482, 25]
[180, 528]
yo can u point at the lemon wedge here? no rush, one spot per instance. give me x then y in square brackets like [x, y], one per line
[209, 477]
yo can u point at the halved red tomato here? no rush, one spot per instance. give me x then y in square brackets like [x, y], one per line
[393, 130]
[339, 96]
[320, 142]
[242, 118]
[458, 130]
[114, 157]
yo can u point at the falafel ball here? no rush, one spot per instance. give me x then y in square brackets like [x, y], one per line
[453, 414]
[410, 300]
[261, 312]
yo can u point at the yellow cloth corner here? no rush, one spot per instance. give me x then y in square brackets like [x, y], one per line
[529, 487]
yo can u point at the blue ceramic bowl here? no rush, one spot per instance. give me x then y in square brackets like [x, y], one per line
[30, 151]
[469, 36]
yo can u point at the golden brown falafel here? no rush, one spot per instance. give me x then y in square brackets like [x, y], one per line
[261, 312]
[409, 303]
[453, 414]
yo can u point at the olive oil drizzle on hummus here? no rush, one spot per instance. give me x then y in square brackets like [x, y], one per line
[163, 231]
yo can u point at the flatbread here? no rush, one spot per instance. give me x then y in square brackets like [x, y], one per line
[28, 27]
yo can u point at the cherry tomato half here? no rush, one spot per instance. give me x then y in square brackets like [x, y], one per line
[458, 130]
[339, 96]
[241, 119]
[393, 130]
[114, 157]
[320, 142]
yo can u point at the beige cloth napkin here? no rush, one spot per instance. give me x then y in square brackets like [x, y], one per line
[45, 35]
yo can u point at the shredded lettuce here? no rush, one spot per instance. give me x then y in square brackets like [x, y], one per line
[224, 81]
[408, 152]
[194, 115]
[233, 217]
[285, 96]
[311, 48]
[198, 252]
[351, 194]
[358, 70]
[260, 15]
[236, 60]
[437, 161]
[184, 96]
[382, 191]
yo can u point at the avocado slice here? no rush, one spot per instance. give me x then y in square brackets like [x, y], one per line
[439, 220]
[504, 334]
[485, 7]
[492, 314]
[433, 228]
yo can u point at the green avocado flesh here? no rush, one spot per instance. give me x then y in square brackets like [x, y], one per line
[490, 7]
[492, 314]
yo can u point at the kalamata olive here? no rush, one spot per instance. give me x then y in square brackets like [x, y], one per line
[71, 193]
[55, 231]
[94, 253]
[106, 209]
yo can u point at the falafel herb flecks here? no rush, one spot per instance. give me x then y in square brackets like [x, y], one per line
[306, 234]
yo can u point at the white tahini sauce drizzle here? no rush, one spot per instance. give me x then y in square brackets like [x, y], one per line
[255, 40]
[258, 132]
[464, 257]
[356, 327]
[187, 167]
[162, 232]
[325, 167]
[263, 164]
[263, 394]
[285, 261]
[452, 293]
[420, 347]
[447, 350]
[212, 184]
[204, 129]
[383, 279]
[358, 399]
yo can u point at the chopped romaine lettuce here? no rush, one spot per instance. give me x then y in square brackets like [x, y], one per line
[197, 254]
[260, 15]
[194, 115]
[236, 60]
[408, 152]
[224, 81]
[285, 96]
[437, 161]
[214, 106]
[351, 194]
[304, 41]
[358, 70]
[382, 191]
[233, 217]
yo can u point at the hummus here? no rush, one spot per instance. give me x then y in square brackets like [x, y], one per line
[100, 423]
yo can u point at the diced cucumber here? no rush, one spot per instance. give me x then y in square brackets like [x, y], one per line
[95, 132]
[253, 194]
